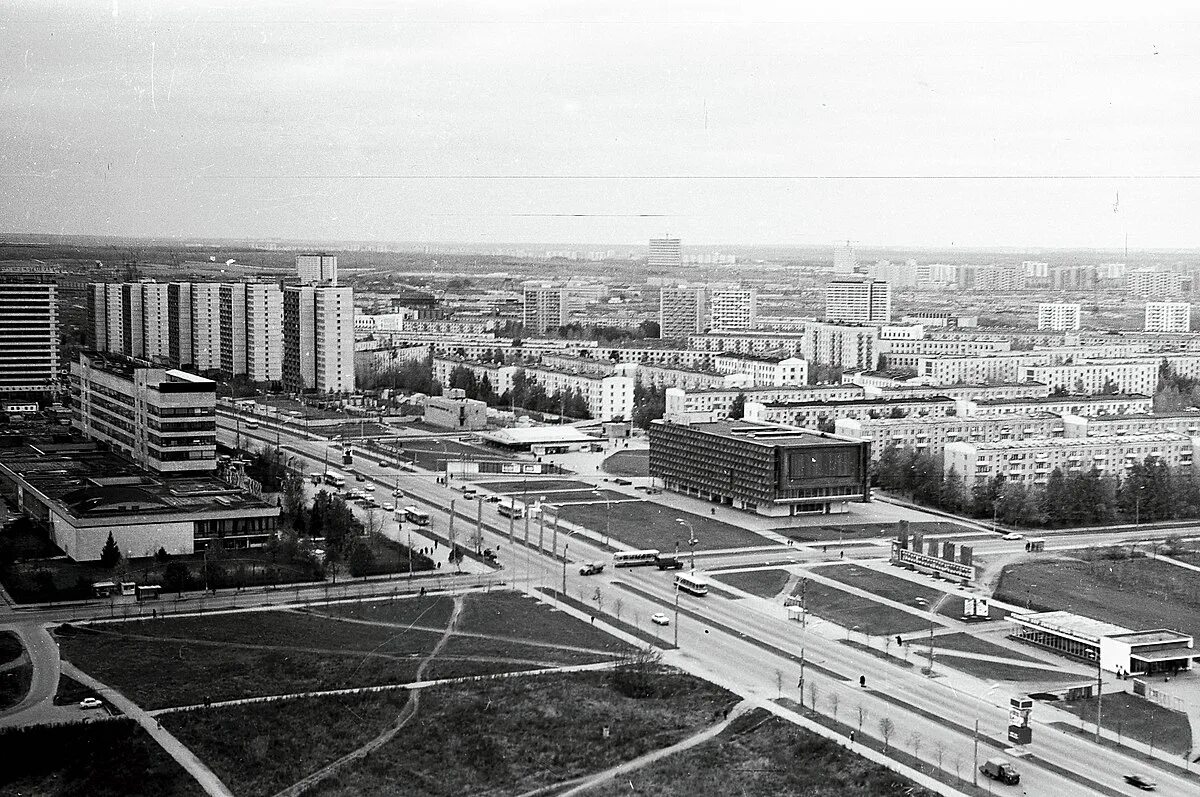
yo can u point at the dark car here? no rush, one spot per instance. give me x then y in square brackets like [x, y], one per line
[1141, 781]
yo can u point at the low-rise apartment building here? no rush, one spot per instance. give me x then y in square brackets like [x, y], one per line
[764, 371]
[824, 414]
[702, 406]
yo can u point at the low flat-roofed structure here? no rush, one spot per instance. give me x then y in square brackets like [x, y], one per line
[82, 494]
[1118, 649]
[541, 439]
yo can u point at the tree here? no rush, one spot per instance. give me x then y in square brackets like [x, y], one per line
[176, 576]
[886, 729]
[914, 741]
[162, 556]
[110, 554]
[361, 559]
[834, 700]
[737, 410]
[813, 692]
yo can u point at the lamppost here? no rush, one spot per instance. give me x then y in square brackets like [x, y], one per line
[978, 709]
[691, 539]
[607, 514]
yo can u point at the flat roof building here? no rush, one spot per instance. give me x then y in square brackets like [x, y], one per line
[1168, 317]
[680, 311]
[766, 468]
[28, 333]
[1116, 648]
[858, 301]
[318, 339]
[1059, 316]
[312, 268]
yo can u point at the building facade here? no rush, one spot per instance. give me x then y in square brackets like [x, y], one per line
[545, 306]
[318, 339]
[665, 253]
[28, 333]
[317, 268]
[1059, 316]
[732, 308]
[1168, 317]
[858, 301]
[768, 469]
[680, 311]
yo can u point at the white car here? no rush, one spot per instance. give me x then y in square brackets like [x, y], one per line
[389, 507]
[1012, 535]
[370, 488]
[90, 702]
[398, 493]
[658, 618]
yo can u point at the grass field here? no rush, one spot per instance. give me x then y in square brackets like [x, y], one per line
[107, 759]
[648, 525]
[71, 691]
[586, 497]
[852, 611]
[997, 671]
[10, 646]
[764, 750]
[628, 463]
[1138, 719]
[1135, 593]
[834, 532]
[431, 611]
[534, 487]
[763, 583]
[899, 589]
[515, 615]
[972, 644]
[14, 684]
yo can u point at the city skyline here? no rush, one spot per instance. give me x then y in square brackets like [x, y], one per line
[1061, 128]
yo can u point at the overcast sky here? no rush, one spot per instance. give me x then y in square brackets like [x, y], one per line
[602, 122]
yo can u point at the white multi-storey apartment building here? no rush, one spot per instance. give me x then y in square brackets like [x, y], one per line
[665, 253]
[681, 311]
[858, 301]
[732, 308]
[607, 397]
[318, 338]
[1059, 316]
[1153, 284]
[1032, 461]
[844, 261]
[1097, 376]
[704, 406]
[163, 419]
[545, 306]
[313, 268]
[764, 371]
[28, 333]
[1168, 317]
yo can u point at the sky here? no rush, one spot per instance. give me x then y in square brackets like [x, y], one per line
[914, 124]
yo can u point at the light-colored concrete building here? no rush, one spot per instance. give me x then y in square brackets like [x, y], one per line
[607, 397]
[1059, 316]
[681, 311]
[1098, 376]
[704, 406]
[317, 268]
[764, 371]
[732, 308]
[665, 253]
[545, 306]
[1168, 317]
[453, 410]
[28, 333]
[318, 339]
[858, 301]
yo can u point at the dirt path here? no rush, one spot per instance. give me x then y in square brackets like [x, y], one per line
[580, 785]
[406, 714]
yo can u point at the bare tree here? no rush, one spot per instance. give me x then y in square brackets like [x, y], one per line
[813, 691]
[862, 715]
[598, 597]
[886, 729]
[618, 604]
[833, 703]
[958, 765]
[914, 741]
[779, 683]
[372, 523]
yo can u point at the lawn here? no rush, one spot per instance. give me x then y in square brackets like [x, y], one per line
[1137, 718]
[1135, 593]
[533, 487]
[587, 496]
[512, 736]
[763, 751]
[831, 532]
[763, 583]
[14, 684]
[423, 611]
[514, 615]
[899, 589]
[628, 463]
[852, 611]
[997, 671]
[71, 691]
[645, 525]
[107, 759]
[10, 646]
[972, 644]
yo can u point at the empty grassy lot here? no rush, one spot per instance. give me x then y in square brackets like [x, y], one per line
[585, 497]
[763, 583]
[515, 615]
[10, 647]
[999, 671]
[628, 463]
[1138, 719]
[424, 610]
[647, 525]
[1135, 593]
[852, 611]
[763, 751]
[533, 487]
[835, 532]
[971, 644]
[898, 588]
[105, 759]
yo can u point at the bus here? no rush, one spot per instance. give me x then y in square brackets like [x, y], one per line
[416, 516]
[512, 509]
[634, 558]
[690, 582]
[335, 479]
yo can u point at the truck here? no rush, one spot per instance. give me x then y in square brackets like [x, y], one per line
[999, 769]
[591, 568]
[668, 562]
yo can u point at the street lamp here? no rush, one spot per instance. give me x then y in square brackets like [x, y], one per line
[691, 539]
[607, 513]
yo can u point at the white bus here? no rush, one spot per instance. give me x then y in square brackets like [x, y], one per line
[416, 516]
[690, 582]
[512, 509]
[634, 558]
[335, 479]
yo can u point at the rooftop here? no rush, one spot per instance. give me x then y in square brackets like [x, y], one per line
[1173, 438]
[1076, 625]
[767, 434]
[1072, 397]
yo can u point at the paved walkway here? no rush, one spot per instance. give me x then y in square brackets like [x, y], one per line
[207, 779]
[42, 650]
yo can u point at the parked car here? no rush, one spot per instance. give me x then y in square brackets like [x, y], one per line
[370, 488]
[90, 702]
[389, 507]
[1141, 781]
[658, 618]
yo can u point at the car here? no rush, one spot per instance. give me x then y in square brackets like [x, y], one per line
[658, 618]
[389, 507]
[1012, 535]
[370, 488]
[397, 493]
[251, 425]
[90, 702]
[383, 463]
[358, 477]
[591, 568]
[1141, 781]
[493, 499]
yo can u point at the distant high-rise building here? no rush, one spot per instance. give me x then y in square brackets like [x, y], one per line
[898, 275]
[732, 307]
[317, 268]
[844, 261]
[318, 339]
[858, 301]
[1153, 284]
[665, 253]
[1168, 317]
[680, 311]
[28, 332]
[545, 306]
[1059, 316]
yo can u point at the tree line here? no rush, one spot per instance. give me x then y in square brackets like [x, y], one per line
[1150, 491]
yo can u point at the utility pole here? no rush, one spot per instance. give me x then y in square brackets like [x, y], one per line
[478, 525]
[528, 561]
[1099, 694]
[554, 536]
[975, 768]
[803, 616]
[801, 682]
[541, 527]
[564, 570]
[676, 615]
[931, 643]
[450, 531]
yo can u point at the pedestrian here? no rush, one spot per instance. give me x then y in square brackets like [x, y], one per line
[851, 737]
[841, 554]
[824, 549]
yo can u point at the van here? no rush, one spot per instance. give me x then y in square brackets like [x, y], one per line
[999, 769]
[668, 562]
